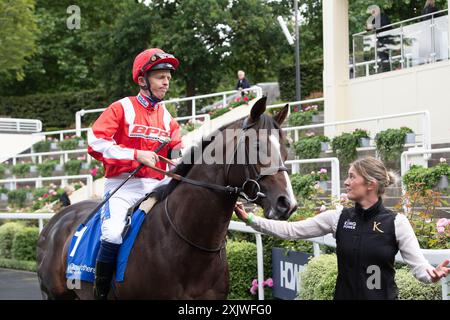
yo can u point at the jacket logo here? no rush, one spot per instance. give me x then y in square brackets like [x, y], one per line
[152, 133]
[350, 225]
[375, 227]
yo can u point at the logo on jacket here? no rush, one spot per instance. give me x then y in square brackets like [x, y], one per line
[350, 225]
[376, 225]
[152, 133]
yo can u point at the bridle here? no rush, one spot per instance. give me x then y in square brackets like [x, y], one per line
[251, 183]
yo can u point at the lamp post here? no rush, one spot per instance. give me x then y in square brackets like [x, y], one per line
[298, 94]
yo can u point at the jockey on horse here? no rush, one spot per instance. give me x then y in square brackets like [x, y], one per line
[123, 137]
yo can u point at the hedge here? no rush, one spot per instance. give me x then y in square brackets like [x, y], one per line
[318, 282]
[7, 233]
[24, 244]
[243, 268]
[311, 80]
[18, 264]
[56, 111]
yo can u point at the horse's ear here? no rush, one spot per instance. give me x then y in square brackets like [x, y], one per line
[281, 116]
[258, 109]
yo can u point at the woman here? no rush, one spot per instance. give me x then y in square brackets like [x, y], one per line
[368, 236]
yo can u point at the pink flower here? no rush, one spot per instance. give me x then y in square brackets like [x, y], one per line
[269, 282]
[253, 290]
[238, 99]
[45, 196]
[442, 222]
[323, 170]
[255, 283]
[94, 171]
[245, 98]
[440, 229]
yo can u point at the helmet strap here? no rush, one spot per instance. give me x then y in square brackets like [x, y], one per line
[152, 99]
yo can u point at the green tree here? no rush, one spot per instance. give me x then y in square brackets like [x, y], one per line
[18, 29]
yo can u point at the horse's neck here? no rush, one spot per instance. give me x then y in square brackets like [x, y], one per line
[203, 213]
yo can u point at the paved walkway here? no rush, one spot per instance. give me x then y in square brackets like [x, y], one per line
[19, 285]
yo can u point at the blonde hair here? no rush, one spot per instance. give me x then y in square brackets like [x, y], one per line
[430, 2]
[69, 189]
[373, 170]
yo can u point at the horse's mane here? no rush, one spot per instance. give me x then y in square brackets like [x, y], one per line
[188, 161]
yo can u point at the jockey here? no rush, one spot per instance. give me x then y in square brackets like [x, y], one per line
[122, 138]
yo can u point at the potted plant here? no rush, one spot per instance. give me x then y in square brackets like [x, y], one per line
[363, 137]
[321, 177]
[443, 172]
[344, 147]
[72, 167]
[390, 143]
[21, 169]
[410, 136]
[46, 168]
[42, 146]
[324, 143]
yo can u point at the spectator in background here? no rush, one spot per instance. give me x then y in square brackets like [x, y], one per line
[377, 23]
[242, 82]
[430, 7]
[64, 199]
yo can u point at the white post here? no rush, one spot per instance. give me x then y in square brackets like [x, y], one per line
[316, 250]
[193, 110]
[89, 187]
[224, 101]
[259, 257]
[335, 176]
[78, 122]
[445, 283]
[426, 127]
[41, 225]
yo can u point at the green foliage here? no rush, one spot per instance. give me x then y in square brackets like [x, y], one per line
[242, 265]
[18, 30]
[318, 281]
[303, 185]
[72, 167]
[46, 168]
[24, 244]
[390, 143]
[409, 288]
[21, 169]
[2, 170]
[311, 79]
[42, 146]
[419, 178]
[7, 233]
[309, 147]
[70, 144]
[17, 198]
[361, 133]
[18, 265]
[300, 118]
[54, 110]
[344, 147]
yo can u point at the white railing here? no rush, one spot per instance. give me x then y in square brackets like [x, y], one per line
[426, 127]
[20, 125]
[63, 155]
[295, 103]
[61, 133]
[234, 226]
[404, 161]
[433, 256]
[193, 99]
[64, 179]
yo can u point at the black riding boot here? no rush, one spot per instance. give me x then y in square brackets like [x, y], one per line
[103, 276]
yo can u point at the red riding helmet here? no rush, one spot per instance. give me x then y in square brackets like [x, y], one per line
[154, 59]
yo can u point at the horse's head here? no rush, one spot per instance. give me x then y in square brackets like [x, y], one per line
[261, 144]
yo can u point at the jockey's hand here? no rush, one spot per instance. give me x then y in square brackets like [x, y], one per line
[240, 211]
[148, 158]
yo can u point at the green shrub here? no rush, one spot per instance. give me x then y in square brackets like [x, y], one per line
[300, 118]
[419, 178]
[409, 288]
[70, 144]
[7, 233]
[243, 268]
[42, 146]
[42, 106]
[24, 244]
[17, 198]
[344, 147]
[309, 147]
[390, 143]
[46, 168]
[2, 171]
[18, 264]
[311, 80]
[361, 133]
[318, 280]
[72, 167]
[303, 185]
[21, 169]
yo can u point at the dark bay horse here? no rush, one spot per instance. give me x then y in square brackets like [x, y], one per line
[179, 252]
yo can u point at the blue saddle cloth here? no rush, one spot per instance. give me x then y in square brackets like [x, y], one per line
[85, 244]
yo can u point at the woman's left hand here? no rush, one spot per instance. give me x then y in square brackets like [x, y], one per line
[440, 271]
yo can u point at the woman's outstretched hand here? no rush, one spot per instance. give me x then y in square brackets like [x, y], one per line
[240, 211]
[440, 271]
